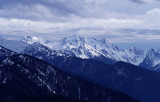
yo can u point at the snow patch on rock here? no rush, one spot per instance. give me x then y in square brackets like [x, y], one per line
[8, 61]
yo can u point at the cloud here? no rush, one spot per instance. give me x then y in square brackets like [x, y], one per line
[144, 1]
[138, 1]
[35, 11]
[56, 7]
[153, 12]
[116, 19]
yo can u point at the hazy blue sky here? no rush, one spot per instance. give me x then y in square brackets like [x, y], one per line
[124, 22]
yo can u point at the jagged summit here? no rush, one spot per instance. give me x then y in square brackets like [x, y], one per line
[83, 47]
[152, 60]
[32, 39]
[90, 48]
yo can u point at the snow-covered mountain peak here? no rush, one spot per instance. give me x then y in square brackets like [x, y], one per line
[152, 54]
[72, 40]
[90, 47]
[100, 42]
[133, 48]
[152, 60]
[136, 50]
[32, 39]
[87, 47]
[83, 47]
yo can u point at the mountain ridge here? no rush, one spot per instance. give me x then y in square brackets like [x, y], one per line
[121, 76]
[91, 47]
[88, 48]
[34, 76]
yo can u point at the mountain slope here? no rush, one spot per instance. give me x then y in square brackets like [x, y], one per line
[130, 79]
[9, 94]
[32, 76]
[152, 60]
[5, 53]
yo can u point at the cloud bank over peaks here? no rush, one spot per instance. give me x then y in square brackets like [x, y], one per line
[91, 17]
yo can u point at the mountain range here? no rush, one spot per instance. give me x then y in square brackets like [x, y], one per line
[100, 49]
[121, 76]
[129, 70]
[86, 48]
[23, 77]
[91, 48]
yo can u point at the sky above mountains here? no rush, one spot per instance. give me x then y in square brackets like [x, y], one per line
[120, 21]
